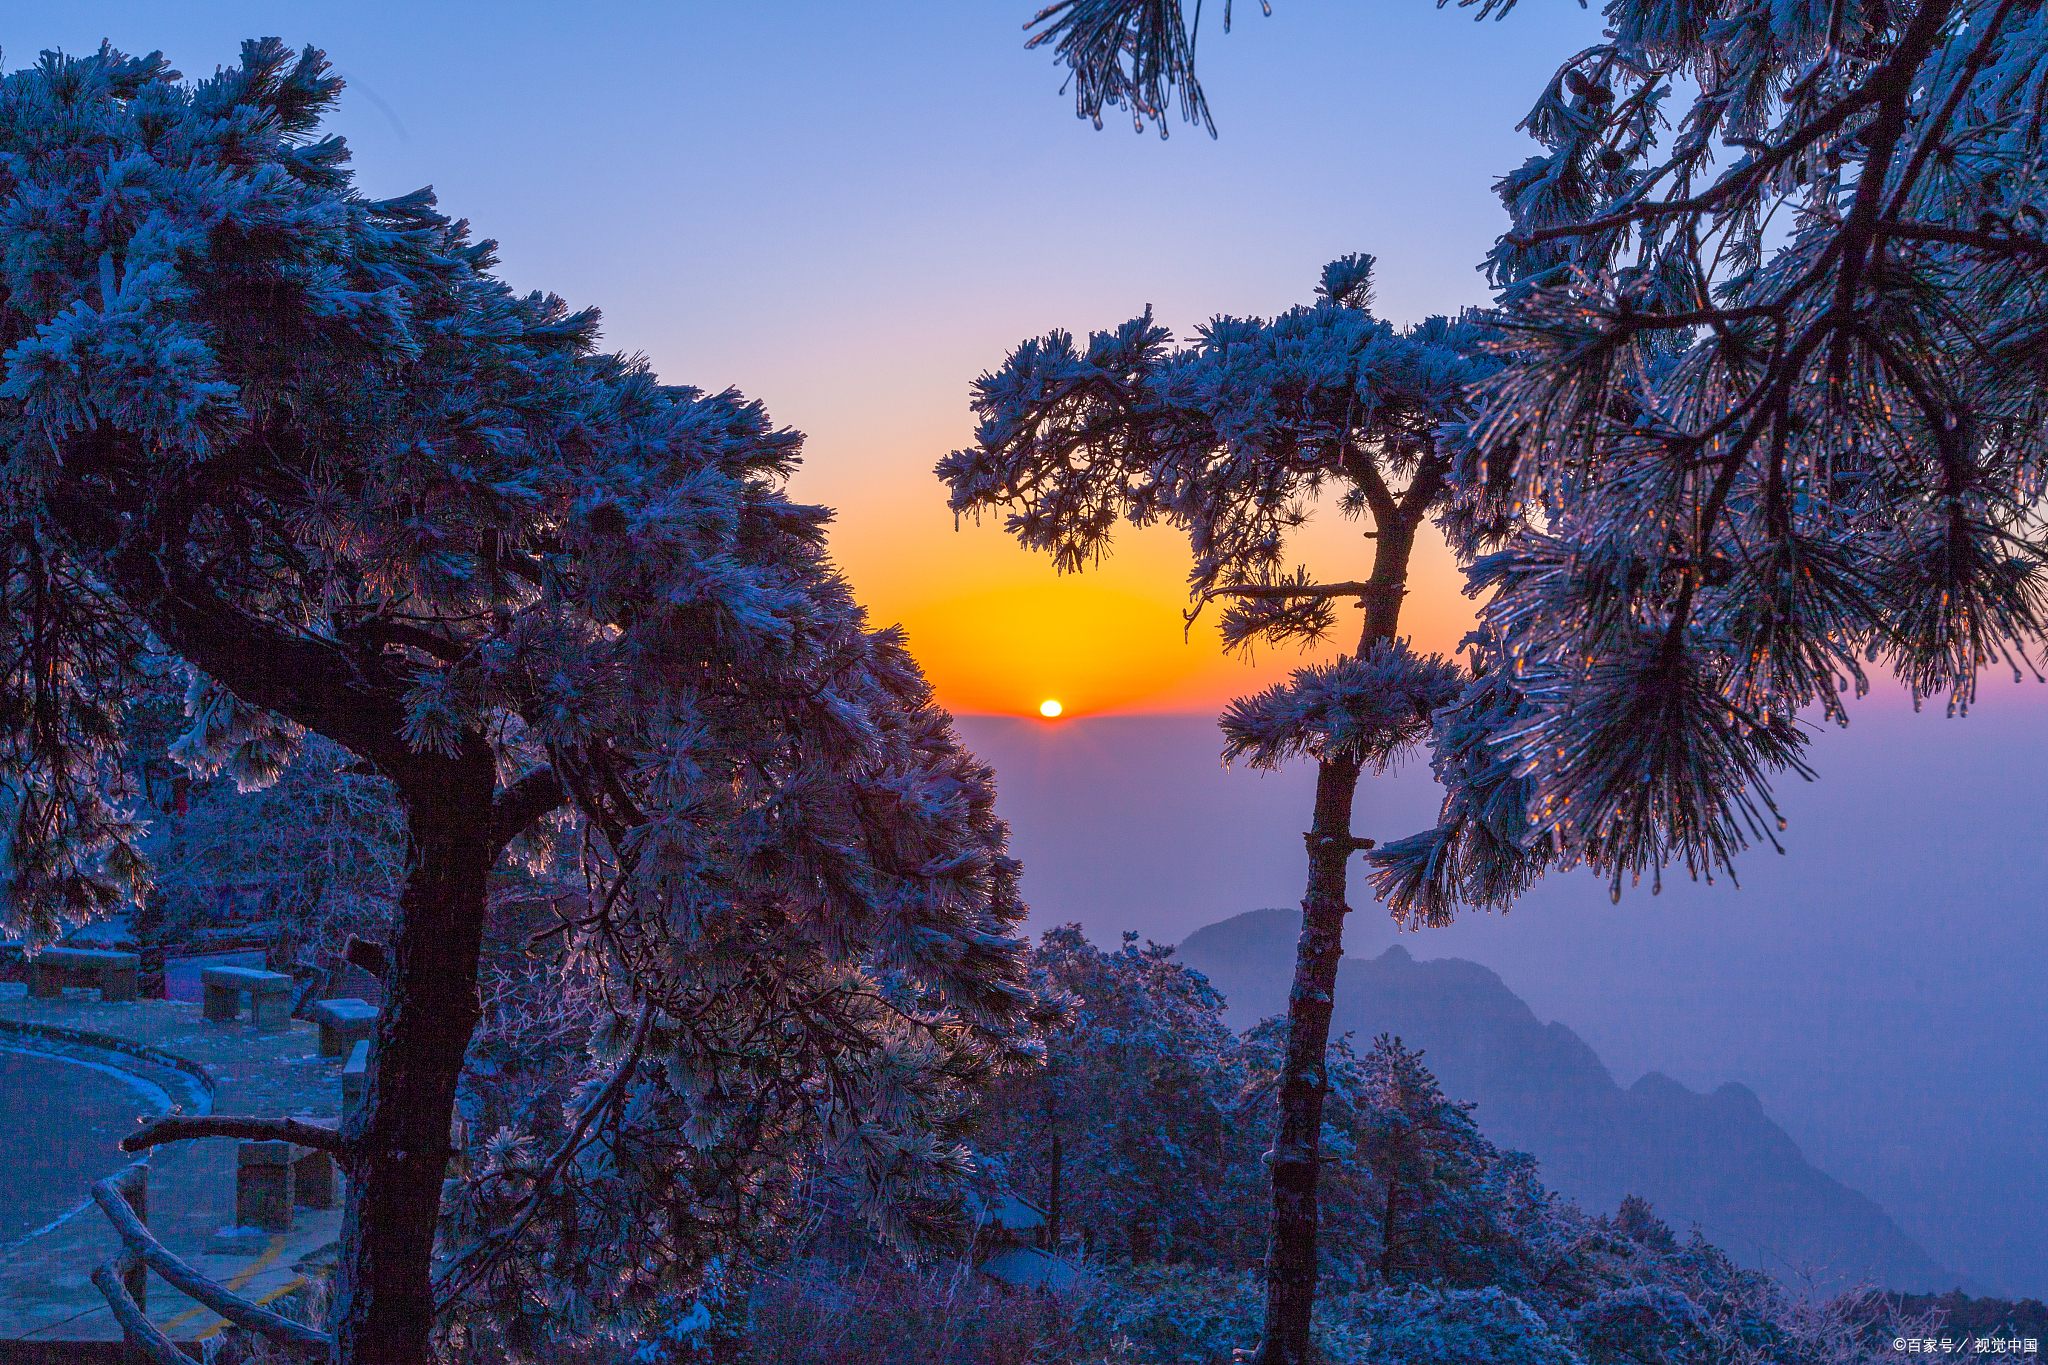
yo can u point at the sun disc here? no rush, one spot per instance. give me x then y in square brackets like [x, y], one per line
[1048, 709]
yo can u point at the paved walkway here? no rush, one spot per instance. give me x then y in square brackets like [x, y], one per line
[46, 1292]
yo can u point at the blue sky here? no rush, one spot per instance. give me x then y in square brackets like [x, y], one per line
[851, 211]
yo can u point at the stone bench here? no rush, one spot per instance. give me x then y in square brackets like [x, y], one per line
[270, 996]
[271, 1179]
[343, 1023]
[51, 970]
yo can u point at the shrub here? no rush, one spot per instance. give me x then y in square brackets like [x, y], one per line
[878, 1311]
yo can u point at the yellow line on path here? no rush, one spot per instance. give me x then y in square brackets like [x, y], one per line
[291, 1286]
[242, 1277]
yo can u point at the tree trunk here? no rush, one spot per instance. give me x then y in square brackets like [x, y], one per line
[384, 1299]
[1052, 1213]
[1297, 1151]
[1389, 1230]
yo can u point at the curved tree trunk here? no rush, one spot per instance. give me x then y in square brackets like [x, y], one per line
[1297, 1150]
[384, 1299]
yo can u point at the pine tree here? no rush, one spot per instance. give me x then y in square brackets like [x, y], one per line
[307, 445]
[1228, 438]
[1121, 1135]
[1723, 469]
[1769, 412]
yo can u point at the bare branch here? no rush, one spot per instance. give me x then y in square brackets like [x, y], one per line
[1283, 591]
[524, 802]
[373, 958]
[183, 1278]
[382, 630]
[142, 1334]
[177, 1128]
[1989, 242]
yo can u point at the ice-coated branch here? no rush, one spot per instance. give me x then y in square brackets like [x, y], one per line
[1288, 591]
[485, 1253]
[1128, 53]
[1368, 708]
[183, 1278]
[141, 1333]
[177, 1128]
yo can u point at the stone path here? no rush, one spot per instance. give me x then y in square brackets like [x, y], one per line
[45, 1286]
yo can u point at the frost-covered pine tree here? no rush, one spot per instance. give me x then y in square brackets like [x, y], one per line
[1121, 1135]
[1229, 438]
[1770, 411]
[306, 444]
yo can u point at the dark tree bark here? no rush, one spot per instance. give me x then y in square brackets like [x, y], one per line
[1297, 1150]
[384, 1298]
[1052, 1213]
[1389, 1231]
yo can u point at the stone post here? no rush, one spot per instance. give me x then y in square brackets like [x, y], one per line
[355, 1079]
[270, 1011]
[149, 976]
[222, 1004]
[313, 1179]
[263, 1186]
[44, 983]
[119, 980]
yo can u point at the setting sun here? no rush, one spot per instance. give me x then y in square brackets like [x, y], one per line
[1048, 709]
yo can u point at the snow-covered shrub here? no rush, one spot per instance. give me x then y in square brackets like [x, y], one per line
[873, 1309]
[1174, 1315]
[1433, 1327]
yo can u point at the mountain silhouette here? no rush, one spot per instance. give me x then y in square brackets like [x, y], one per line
[1714, 1161]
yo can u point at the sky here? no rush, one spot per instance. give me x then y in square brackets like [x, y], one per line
[851, 211]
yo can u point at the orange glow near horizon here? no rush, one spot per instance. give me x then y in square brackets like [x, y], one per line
[1007, 649]
[998, 632]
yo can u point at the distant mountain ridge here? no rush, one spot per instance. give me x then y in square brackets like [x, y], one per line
[1715, 1160]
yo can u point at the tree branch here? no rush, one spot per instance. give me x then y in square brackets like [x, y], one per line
[1364, 471]
[447, 1298]
[1931, 133]
[1989, 242]
[1285, 591]
[1423, 489]
[1887, 83]
[373, 958]
[315, 682]
[524, 802]
[380, 630]
[183, 1278]
[176, 1128]
[141, 1334]
[1734, 181]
